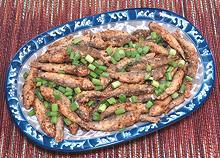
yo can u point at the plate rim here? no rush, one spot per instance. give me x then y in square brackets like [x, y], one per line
[89, 146]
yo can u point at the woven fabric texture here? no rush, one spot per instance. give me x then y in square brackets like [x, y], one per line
[195, 136]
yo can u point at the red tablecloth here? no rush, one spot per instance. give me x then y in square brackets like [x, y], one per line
[196, 136]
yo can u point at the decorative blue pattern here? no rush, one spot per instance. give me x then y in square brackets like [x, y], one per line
[116, 16]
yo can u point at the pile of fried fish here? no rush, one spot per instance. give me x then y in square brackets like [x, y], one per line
[109, 80]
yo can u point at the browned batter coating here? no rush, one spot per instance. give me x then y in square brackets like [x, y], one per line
[59, 68]
[59, 129]
[28, 89]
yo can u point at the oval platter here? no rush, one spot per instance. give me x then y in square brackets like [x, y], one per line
[99, 20]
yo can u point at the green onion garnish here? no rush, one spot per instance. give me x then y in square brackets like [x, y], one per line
[188, 78]
[46, 104]
[120, 111]
[113, 60]
[148, 68]
[62, 89]
[54, 107]
[155, 83]
[122, 98]
[77, 90]
[90, 103]
[133, 99]
[25, 75]
[103, 68]
[175, 95]
[69, 89]
[72, 55]
[31, 113]
[173, 63]
[182, 88]
[91, 67]
[172, 52]
[93, 75]
[153, 35]
[96, 82]
[52, 113]
[149, 104]
[109, 50]
[98, 88]
[54, 119]
[146, 49]
[69, 50]
[38, 84]
[181, 63]
[98, 71]
[70, 97]
[105, 74]
[102, 107]
[116, 84]
[96, 116]
[147, 77]
[38, 94]
[56, 94]
[89, 58]
[67, 121]
[168, 76]
[74, 106]
[140, 50]
[69, 93]
[83, 61]
[170, 68]
[76, 41]
[111, 101]
[52, 84]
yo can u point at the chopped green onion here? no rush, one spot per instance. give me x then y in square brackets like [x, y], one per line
[44, 82]
[149, 104]
[103, 68]
[128, 53]
[38, 94]
[93, 74]
[31, 113]
[181, 63]
[159, 39]
[148, 68]
[122, 98]
[113, 60]
[54, 119]
[69, 89]
[188, 78]
[90, 103]
[62, 89]
[61, 72]
[98, 72]
[56, 94]
[54, 107]
[52, 113]
[76, 41]
[74, 106]
[91, 67]
[67, 121]
[72, 55]
[98, 88]
[140, 50]
[102, 107]
[46, 104]
[133, 99]
[146, 49]
[96, 64]
[105, 74]
[96, 116]
[116, 84]
[117, 56]
[158, 91]
[173, 63]
[120, 111]
[83, 61]
[77, 56]
[147, 76]
[96, 82]
[68, 93]
[89, 58]
[69, 50]
[170, 68]
[175, 95]
[70, 97]
[77, 90]
[51, 84]
[153, 35]
[38, 84]
[182, 88]
[111, 101]
[168, 76]
[109, 50]
[172, 52]
[155, 83]
[131, 44]
[25, 75]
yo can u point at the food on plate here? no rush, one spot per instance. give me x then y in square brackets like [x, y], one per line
[109, 80]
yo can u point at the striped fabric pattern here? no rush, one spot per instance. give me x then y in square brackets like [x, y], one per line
[196, 136]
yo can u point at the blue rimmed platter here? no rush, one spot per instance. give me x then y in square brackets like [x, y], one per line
[128, 19]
